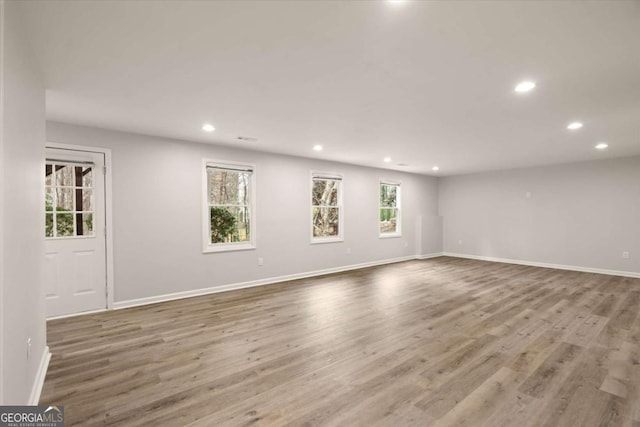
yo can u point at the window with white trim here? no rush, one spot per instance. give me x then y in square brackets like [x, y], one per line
[326, 208]
[229, 217]
[390, 218]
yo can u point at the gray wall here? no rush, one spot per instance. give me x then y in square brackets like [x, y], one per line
[580, 214]
[157, 196]
[21, 212]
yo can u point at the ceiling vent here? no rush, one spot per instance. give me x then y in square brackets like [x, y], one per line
[247, 138]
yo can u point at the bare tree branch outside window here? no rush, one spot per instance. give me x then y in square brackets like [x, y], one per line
[325, 207]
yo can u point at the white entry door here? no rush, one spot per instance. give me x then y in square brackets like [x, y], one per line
[74, 232]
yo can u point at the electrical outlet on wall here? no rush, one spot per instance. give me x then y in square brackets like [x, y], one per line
[348, 250]
[459, 242]
[260, 261]
[625, 255]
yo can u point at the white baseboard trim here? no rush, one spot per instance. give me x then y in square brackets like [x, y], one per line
[82, 313]
[428, 256]
[34, 398]
[545, 265]
[271, 280]
[261, 282]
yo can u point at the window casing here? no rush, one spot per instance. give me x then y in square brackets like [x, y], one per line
[389, 220]
[229, 206]
[327, 212]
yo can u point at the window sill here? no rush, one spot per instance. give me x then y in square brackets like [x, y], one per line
[320, 240]
[228, 247]
[389, 235]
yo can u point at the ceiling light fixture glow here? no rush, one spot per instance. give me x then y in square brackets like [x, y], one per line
[523, 87]
[208, 127]
[574, 126]
[387, 159]
[435, 168]
[602, 146]
[317, 147]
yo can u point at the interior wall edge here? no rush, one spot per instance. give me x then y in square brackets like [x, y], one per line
[23, 118]
[2, 29]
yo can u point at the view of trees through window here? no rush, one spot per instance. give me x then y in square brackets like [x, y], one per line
[229, 204]
[325, 200]
[230, 215]
[68, 200]
[389, 208]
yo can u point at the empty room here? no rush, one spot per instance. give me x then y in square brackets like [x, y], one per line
[332, 213]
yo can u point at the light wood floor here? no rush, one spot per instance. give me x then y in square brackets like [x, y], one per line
[437, 342]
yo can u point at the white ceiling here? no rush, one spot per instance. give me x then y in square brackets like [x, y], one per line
[426, 83]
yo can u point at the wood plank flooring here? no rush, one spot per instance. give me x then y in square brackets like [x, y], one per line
[437, 342]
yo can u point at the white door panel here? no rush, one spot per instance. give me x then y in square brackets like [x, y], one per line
[51, 272]
[74, 232]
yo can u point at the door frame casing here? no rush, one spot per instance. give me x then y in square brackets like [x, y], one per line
[108, 218]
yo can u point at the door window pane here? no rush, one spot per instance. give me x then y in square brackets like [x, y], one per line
[64, 199]
[64, 175]
[48, 174]
[84, 224]
[84, 199]
[69, 200]
[48, 199]
[64, 225]
[87, 176]
[48, 225]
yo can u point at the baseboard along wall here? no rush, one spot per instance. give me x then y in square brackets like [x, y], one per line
[261, 282]
[271, 280]
[38, 383]
[545, 265]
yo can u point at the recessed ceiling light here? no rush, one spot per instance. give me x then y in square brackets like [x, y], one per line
[208, 127]
[396, 1]
[574, 126]
[317, 147]
[387, 159]
[602, 146]
[435, 168]
[525, 86]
